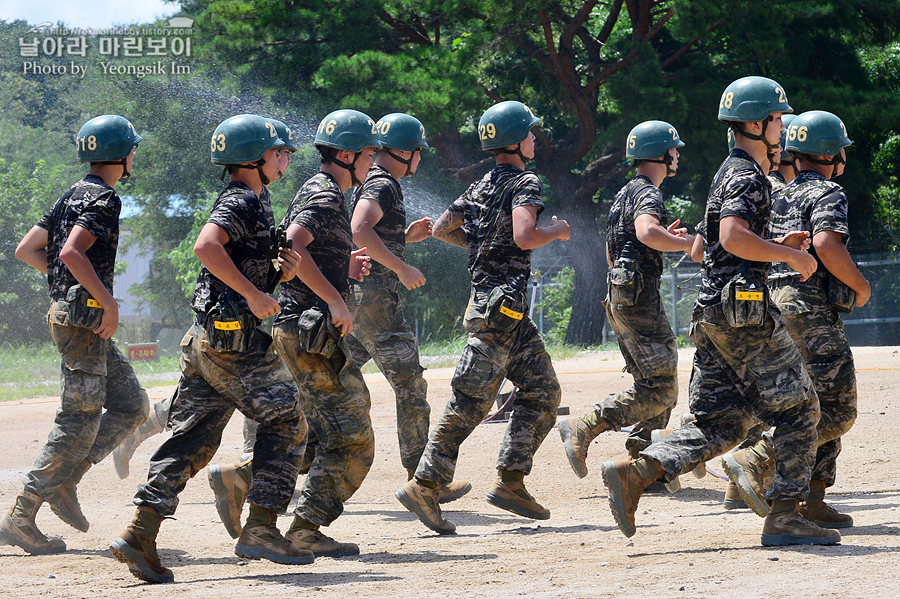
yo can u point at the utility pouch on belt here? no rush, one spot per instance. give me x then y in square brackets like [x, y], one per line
[624, 285]
[840, 296]
[745, 299]
[317, 334]
[84, 310]
[230, 324]
[506, 306]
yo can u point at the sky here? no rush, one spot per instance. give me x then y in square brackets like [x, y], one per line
[86, 14]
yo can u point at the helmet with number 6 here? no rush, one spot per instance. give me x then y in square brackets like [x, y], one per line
[817, 133]
[106, 138]
[505, 124]
[243, 139]
[348, 130]
[651, 139]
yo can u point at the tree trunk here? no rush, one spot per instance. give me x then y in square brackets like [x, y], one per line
[588, 315]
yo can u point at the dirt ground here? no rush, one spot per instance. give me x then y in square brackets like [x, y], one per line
[686, 545]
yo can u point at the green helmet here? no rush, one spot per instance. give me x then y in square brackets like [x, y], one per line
[817, 133]
[243, 139]
[400, 131]
[284, 134]
[106, 138]
[651, 139]
[505, 124]
[752, 99]
[786, 120]
[348, 130]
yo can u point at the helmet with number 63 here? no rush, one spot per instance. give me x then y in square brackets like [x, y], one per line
[651, 139]
[106, 138]
[348, 130]
[243, 139]
[505, 124]
[752, 99]
[817, 133]
[400, 131]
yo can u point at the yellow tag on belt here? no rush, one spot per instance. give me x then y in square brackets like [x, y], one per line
[510, 313]
[228, 325]
[92, 303]
[753, 296]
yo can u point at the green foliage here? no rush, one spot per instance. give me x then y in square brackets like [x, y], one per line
[557, 305]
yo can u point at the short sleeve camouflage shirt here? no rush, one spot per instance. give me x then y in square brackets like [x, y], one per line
[740, 188]
[494, 257]
[777, 181]
[246, 219]
[638, 196]
[380, 186]
[94, 206]
[319, 207]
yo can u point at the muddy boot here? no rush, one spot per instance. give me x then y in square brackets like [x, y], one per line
[509, 493]
[230, 485]
[733, 499]
[155, 424]
[786, 526]
[136, 547]
[305, 535]
[820, 513]
[64, 501]
[424, 502]
[626, 481]
[577, 434]
[18, 527]
[261, 539]
[752, 471]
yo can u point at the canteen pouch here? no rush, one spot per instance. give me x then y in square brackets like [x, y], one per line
[83, 311]
[624, 285]
[505, 308]
[317, 334]
[745, 300]
[840, 296]
[230, 325]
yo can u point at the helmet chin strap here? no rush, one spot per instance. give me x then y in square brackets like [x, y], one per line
[518, 151]
[347, 165]
[792, 163]
[667, 160]
[258, 166]
[406, 161]
[834, 162]
[770, 148]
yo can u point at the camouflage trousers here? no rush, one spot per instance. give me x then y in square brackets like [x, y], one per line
[818, 331]
[651, 356]
[101, 403]
[334, 397]
[739, 374]
[380, 332]
[213, 384]
[490, 356]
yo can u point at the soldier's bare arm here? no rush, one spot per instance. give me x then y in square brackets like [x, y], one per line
[663, 239]
[738, 239]
[313, 278]
[365, 216]
[697, 248]
[74, 256]
[448, 228]
[32, 250]
[528, 235]
[837, 260]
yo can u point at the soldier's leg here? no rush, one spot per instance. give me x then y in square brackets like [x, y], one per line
[157, 421]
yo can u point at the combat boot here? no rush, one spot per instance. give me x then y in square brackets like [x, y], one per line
[155, 424]
[18, 527]
[733, 499]
[306, 536]
[577, 435]
[450, 491]
[64, 501]
[264, 541]
[820, 513]
[509, 493]
[230, 485]
[626, 480]
[424, 503]
[785, 525]
[752, 471]
[136, 547]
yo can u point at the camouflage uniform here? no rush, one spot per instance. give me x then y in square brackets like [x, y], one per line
[94, 374]
[490, 354]
[776, 179]
[813, 203]
[380, 331]
[739, 373]
[333, 394]
[643, 331]
[216, 382]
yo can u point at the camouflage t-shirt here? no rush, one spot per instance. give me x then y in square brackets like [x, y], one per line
[740, 188]
[810, 203]
[494, 257]
[246, 219]
[94, 206]
[777, 181]
[380, 186]
[639, 196]
[318, 207]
